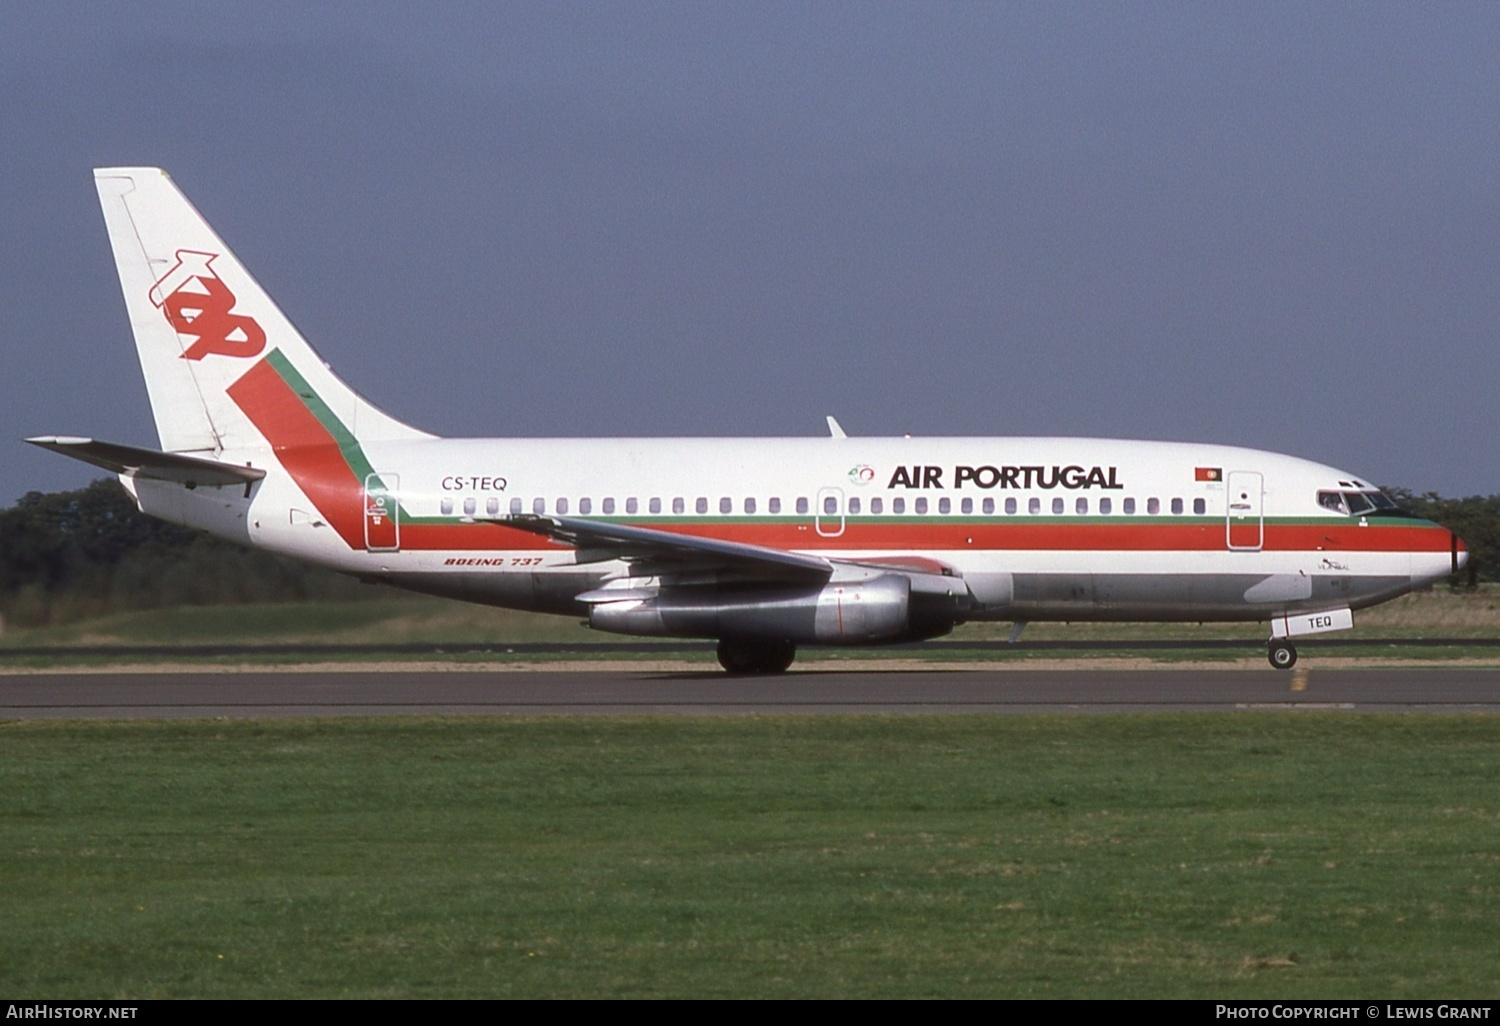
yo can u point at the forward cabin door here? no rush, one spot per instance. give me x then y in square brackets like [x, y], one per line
[382, 513]
[1245, 524]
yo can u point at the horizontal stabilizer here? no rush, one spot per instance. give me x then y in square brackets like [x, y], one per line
[148, 463]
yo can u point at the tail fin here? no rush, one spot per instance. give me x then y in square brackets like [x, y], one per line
[202, 324]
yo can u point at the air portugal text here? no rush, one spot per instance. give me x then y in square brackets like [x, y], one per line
[1074, 477]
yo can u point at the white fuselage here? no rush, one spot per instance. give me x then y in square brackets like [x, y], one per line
[1056, 528]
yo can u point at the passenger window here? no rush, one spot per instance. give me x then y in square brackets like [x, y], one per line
[701, 505]
[608, 506]
[1010, 505]
[1081, 507]
[1153, 506]
[585, 506]
[515, 506]
[1128, 507]
[920, 506]
[470, 506]
[678, 505]
[538, 506]
[898, 505]
[830, 505]
[1105, 505]
[989, 506]
[631, 505]
[446, 507]
[773, 505]
[726, 505]
[877, 506]
[749, 505]
[1200, 506]
[967, 506]
[562, 506]
[655, 505]
[802, 505]
[1057, 504]
[854, 505]
[944, 506]
[1034, 505]
[492, 506]
[1176, 507]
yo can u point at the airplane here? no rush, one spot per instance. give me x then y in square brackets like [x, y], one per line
[761, 544]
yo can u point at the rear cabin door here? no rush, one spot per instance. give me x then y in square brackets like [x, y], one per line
[382, 513]
[1245, 524]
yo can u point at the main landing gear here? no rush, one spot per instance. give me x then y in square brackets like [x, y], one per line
[1282, 654]
[739, 655]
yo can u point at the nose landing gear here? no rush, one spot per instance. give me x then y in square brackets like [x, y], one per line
[1282, 654]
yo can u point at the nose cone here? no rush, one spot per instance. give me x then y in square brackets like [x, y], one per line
[1436, 553]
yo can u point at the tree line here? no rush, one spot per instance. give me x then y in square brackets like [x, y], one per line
[67, 556]
[1475, 519]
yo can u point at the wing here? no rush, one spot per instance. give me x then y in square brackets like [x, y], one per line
[667, 551]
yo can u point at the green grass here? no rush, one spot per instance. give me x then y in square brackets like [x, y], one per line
[417, 619]
[380, 621]
[1232, 856]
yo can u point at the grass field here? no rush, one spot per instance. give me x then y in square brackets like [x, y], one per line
[401, 619]
[1233, 856]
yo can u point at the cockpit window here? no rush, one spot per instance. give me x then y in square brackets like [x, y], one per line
[1332, 501]
[1356, 504]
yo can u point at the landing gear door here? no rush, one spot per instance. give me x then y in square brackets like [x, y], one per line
[382, 513]
[1245, 524]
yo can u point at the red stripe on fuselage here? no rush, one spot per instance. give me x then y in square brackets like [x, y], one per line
[305, 448]
[911, 538]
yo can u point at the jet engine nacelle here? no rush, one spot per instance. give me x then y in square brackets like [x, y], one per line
[852, 613]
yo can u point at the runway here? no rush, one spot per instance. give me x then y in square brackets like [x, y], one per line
[354, 693]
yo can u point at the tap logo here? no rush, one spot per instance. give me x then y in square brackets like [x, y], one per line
[200, 306]
[862, 474]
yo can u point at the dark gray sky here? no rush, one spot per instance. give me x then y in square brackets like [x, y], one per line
[1261, 224]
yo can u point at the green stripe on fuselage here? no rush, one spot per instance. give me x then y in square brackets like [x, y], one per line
[349, 446]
